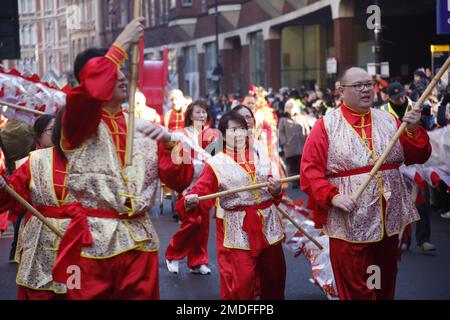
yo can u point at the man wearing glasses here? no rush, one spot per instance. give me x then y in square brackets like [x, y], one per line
[337, 157]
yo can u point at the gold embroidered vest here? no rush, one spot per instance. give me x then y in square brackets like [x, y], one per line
[97, 180]
[347, 151]
[231, 175]
[37, 245]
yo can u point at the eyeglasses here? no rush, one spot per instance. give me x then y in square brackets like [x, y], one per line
[360, 86]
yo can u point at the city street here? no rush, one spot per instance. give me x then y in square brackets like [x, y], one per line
[420, 276]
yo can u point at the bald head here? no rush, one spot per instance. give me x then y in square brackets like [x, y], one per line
[356, 87]
[353, 72]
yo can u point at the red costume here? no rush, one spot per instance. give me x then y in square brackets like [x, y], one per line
[121, 196]
[34, 277]
[341, 149]
[245, 253]
[191, 240]
[174, 120]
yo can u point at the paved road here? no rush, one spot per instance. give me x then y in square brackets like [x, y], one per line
[420, 276]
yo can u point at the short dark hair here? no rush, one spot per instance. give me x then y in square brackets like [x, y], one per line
[190, 109]
[40, 124]
[223, 123]
[57, 133]
[83, 58]
[243, 106]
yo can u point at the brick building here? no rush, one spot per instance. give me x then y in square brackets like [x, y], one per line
[44, 47]
[279, 43]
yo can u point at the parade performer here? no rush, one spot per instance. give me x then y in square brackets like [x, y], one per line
[338, 155]
[174, 118]
[143, 111]
[252, 229]
[265, 130]
[294, 240]
[41, 181]
[191, 240]
[119, 254]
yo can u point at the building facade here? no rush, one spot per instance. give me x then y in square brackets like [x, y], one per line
[52, 33]
[283, 43]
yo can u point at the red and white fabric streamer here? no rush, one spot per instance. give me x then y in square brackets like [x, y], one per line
[296, 242]
[29, 92]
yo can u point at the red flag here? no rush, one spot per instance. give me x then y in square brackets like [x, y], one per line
[140, 83]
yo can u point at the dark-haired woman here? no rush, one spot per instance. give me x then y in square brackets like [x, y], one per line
[41, 181]
[191, 240]
[252, 228]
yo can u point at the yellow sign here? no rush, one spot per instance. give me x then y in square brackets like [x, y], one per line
[440, 48]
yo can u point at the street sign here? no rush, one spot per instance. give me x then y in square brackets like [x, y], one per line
[372, 68]
[384, 66]
[331, 65]
[443, 16]
[439, 48]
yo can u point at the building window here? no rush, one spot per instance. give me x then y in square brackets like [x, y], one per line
[33, 35]
[51, 63]
[186, 3]
[152, 13]
[66, 65]
[48, 5]
[191, 74]
[257, 59]
[63, 30]
[203, 6]
[22, 35]
[210, 64]
[173, 4]
[161, 12]
[124, 12]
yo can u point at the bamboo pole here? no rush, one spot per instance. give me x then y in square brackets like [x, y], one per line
[133, 84]
[246, 188]
[400, 130]
[17, 107]
[299, 228]
[30, 208]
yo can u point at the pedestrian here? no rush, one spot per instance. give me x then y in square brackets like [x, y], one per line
[293, 131]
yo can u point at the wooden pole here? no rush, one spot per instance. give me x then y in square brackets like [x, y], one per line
[133, 84]
[400, 130]
[30, 208]
[15, 106]
[299, 228]
[246, 188]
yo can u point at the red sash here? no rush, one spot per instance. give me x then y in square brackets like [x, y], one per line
[77, 234]
[253, 226]
[354, 172]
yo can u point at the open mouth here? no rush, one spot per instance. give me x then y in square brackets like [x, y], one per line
[365, 98]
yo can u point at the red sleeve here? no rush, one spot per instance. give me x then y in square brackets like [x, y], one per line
[312, 172]
[85, 102]
[206, 184]
[20, 182]
[417, 149]
[176, 176]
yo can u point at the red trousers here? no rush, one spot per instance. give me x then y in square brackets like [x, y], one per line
[132, 275]
[24, 293]
[350, 262]
[240, 273]
[191, 241]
